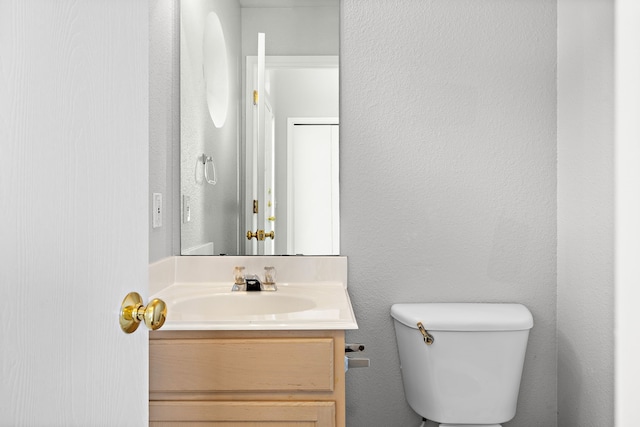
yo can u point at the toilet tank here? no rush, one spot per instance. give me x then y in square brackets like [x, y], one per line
[471, 372]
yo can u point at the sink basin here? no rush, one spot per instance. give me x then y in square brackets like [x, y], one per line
[212, 306]
[241, 304]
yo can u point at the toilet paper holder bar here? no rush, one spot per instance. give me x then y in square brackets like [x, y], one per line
[357, 362]
[349, 348]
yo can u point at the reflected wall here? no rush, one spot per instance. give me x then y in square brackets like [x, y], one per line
[209, 213]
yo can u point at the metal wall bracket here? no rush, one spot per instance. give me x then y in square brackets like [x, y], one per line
[349, 348]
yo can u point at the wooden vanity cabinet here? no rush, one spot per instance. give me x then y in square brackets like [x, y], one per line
[246, 378]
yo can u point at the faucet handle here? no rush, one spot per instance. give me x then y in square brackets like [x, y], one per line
[239, 279]
[269, 275]
[238, 275]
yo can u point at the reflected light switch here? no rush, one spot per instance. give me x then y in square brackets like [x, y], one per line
[186, 209]
[157, 210]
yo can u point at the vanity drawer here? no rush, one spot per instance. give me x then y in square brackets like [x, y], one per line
[239, 414]
[242, 365]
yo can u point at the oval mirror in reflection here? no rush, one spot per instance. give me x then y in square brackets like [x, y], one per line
[216, 71]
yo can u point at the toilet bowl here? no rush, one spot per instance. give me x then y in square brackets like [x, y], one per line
[461, 363]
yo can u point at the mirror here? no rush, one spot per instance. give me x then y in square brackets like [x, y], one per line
[259, 131]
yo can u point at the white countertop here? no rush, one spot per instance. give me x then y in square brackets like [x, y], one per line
[308, 303]
[294, 306]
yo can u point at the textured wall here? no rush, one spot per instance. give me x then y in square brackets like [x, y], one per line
[164, 124]
[214, 209]
[208, 204]
[448, 178]
[585, 212]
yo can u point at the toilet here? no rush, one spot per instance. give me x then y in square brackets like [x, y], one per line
[462, 363]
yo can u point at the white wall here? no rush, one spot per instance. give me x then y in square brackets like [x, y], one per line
[585, 213]
[291, 31]
[448, 179]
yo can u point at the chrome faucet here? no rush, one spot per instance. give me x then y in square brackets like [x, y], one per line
[251, 282]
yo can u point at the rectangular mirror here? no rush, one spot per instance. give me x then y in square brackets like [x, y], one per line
[259, 131]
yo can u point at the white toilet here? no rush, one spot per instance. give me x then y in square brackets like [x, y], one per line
[469, 375]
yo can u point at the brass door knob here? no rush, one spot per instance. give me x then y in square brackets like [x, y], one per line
[260, 235]
[132, 312]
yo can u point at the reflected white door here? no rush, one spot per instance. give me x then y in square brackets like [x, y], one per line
[313, 187]
[269, 215]
[254, 215]
[73, 216]
[260, 158]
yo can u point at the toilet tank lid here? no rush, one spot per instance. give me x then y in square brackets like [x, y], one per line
[464, 316]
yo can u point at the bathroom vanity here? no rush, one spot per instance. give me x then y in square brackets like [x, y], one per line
[250, 358]
[292, 378]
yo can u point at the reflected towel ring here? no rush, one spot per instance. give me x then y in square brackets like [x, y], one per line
[208, 160]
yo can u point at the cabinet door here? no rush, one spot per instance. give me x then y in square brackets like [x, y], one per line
[242, 365]
[242, 414]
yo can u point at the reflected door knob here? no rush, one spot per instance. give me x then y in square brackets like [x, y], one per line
[132, 313]
[261, 235]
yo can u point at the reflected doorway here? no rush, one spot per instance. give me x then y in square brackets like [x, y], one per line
[313, 182]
